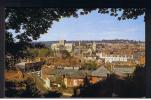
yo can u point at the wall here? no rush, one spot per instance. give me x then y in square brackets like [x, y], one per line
[71, 82]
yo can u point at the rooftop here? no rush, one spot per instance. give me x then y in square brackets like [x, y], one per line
[101, 71]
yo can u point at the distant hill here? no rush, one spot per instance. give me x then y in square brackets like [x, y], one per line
[48, 43]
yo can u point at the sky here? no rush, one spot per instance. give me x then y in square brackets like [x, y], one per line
[95, 26]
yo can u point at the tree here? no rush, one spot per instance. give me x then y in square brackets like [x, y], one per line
[31, 89]
[43, 52]
[32, 53]
[90, 66]
[30, 23]
[51, 52]
[38, 45]
[65, 54]
[36, 21]
[53, 94]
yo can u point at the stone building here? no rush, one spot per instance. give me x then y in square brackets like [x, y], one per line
[62, 45]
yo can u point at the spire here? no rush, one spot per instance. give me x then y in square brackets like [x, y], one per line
[79, 44]
[94, 46]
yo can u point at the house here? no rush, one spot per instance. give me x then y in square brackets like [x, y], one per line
[26, 66]
[75, 67]
[70, 77]
[99, 74]
[21, 65]
[74, 78]
[36, 66]
[123, 71]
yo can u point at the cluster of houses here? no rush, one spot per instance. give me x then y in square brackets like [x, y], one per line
[74, 77]
[29, 66]
[107, 53]
[58, 74]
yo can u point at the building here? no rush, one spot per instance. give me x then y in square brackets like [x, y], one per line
[21, 65]
[99, 74]
[75, 67]
[34, 66]
[55, 47]
[140, 60]
[75, 78]
[62, 42]
[123, 71]
[94, 46]
[70, 77]
[111, 58]
[73, 81]
[62, 45]
[69, 47]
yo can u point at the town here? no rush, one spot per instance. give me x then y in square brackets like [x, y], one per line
[67, 67]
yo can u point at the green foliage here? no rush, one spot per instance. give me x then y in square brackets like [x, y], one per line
[30, 89]
[30, 23]
[65, 54]
[43, 52]
[38, 45]
[32, 53]
[16, 50]
[51, 52]
[39, 52]
[10, 90]
[36, 21]
[90, 66]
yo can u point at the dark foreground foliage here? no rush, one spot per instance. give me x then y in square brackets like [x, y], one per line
[114, 87]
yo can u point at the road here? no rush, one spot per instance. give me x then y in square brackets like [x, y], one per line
[39, 82]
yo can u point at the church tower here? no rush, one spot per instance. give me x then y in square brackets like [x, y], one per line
[79, 44]
[94, 46]
[62, 42]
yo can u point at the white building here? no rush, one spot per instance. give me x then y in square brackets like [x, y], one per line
[112, 58]
[55, 46]
[68, 47]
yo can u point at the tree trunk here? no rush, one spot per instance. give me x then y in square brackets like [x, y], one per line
[2, 52]
[148, 51]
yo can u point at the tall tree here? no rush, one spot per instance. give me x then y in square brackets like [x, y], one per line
[30, 23]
